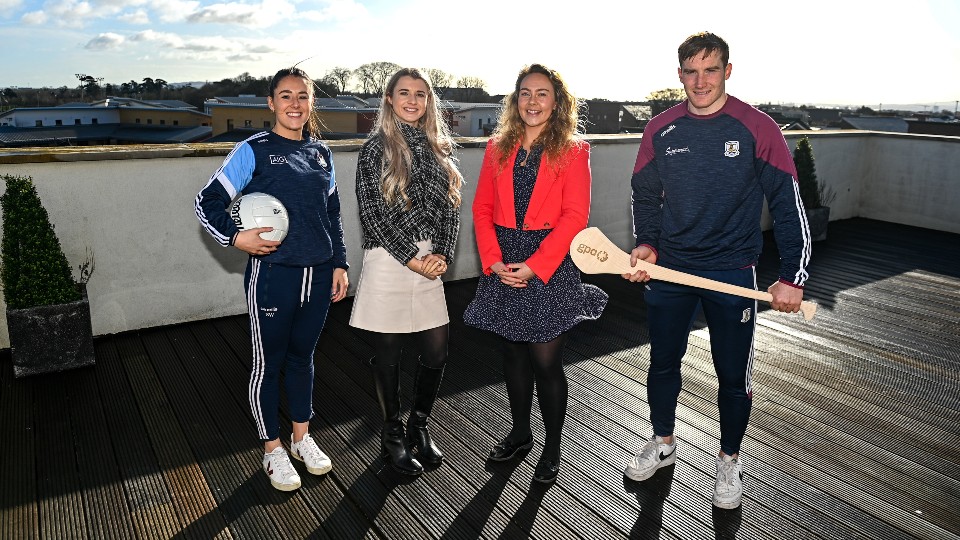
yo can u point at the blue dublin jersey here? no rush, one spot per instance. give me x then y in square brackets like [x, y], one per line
[300, 175]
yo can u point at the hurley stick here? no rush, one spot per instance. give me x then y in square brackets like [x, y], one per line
[594, 253]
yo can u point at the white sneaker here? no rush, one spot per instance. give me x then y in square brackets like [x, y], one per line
[308, 452]
[654, 455]
[729, 488]
[281, 472]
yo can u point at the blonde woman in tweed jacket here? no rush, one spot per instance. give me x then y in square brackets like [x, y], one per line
[408, 190]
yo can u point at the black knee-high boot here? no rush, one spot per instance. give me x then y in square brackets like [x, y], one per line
[425, 393]
[392, 445]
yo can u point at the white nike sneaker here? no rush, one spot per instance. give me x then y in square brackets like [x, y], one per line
[281, 472]
[308, 452]
[654, 455]
[729, 488]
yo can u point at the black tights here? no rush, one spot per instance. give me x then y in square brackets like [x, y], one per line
[432, 344]
[524, 363]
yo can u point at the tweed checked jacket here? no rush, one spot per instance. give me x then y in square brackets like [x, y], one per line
[432, 215]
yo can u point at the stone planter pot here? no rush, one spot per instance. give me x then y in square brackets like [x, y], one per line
[48, 339]
[818, 218]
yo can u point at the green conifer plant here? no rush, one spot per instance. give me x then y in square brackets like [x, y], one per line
[813, 193]
[33, 268]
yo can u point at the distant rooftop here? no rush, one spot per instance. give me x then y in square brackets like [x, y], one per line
[11, 136]
[876, 123]
[339, 102]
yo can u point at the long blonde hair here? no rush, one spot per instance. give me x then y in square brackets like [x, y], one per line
[397, 159]
[563, 126]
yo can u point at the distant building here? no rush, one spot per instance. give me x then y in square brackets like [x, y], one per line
[464, 95]
[472, 119]
[796, 125]
[934, 127]
[108, 121]
[786, 116]
[824, 117]
[341, 117]
[874, 123]
[635, 117]
[111, 110]
[602, 116]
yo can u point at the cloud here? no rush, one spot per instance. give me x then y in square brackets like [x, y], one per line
[137, 17]
[262, 48]
[34, 17]
[210, 44]
[204, 47]
[268, 13]
[164, 38]
[7, 6]
[337, 10]
[173, 10]
[243, 58]
[243, 14]
[69, 12]
[105, 41]
[119, 5]
[65, 13]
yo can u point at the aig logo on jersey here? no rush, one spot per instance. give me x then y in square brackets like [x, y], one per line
[731, 148]
[278, 160]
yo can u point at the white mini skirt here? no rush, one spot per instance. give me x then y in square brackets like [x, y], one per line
[393, 299]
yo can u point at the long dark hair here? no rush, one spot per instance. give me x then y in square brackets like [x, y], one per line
[313, 125]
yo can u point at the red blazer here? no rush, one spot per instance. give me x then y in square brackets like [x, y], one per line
[560, 201]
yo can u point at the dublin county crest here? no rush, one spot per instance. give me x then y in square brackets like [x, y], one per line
[731, 148]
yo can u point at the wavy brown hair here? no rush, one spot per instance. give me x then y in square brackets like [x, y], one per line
[563, 126]
[397, 159]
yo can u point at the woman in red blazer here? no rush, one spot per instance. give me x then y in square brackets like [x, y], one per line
[532, 198]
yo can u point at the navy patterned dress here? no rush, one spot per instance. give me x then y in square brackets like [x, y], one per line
[541, 311]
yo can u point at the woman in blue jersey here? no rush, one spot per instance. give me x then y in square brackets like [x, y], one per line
[408, 190]
[289, 284]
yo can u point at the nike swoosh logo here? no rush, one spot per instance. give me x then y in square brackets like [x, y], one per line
[662, 456]
[270, 467]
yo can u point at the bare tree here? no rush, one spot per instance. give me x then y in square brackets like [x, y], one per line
[439, 77]
[373, 77]
[339, 77]
[469, 89]
[6, 96]
[365, 78]
[471, 82]
[384, 70]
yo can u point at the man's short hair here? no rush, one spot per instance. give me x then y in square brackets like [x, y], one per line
[705, 43]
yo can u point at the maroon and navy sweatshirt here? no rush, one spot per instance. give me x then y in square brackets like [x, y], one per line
[699, 185]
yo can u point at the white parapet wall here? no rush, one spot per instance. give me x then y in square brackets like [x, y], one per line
[132, 209]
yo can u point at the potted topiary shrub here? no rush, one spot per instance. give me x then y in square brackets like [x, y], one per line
[816, 196]
[48, 314]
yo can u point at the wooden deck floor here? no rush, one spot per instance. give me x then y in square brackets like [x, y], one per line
[855, 429]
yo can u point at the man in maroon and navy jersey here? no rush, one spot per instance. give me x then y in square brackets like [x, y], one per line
[701, 176]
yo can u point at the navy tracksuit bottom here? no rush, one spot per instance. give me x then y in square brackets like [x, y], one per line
[671, 311]
[288, 306]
